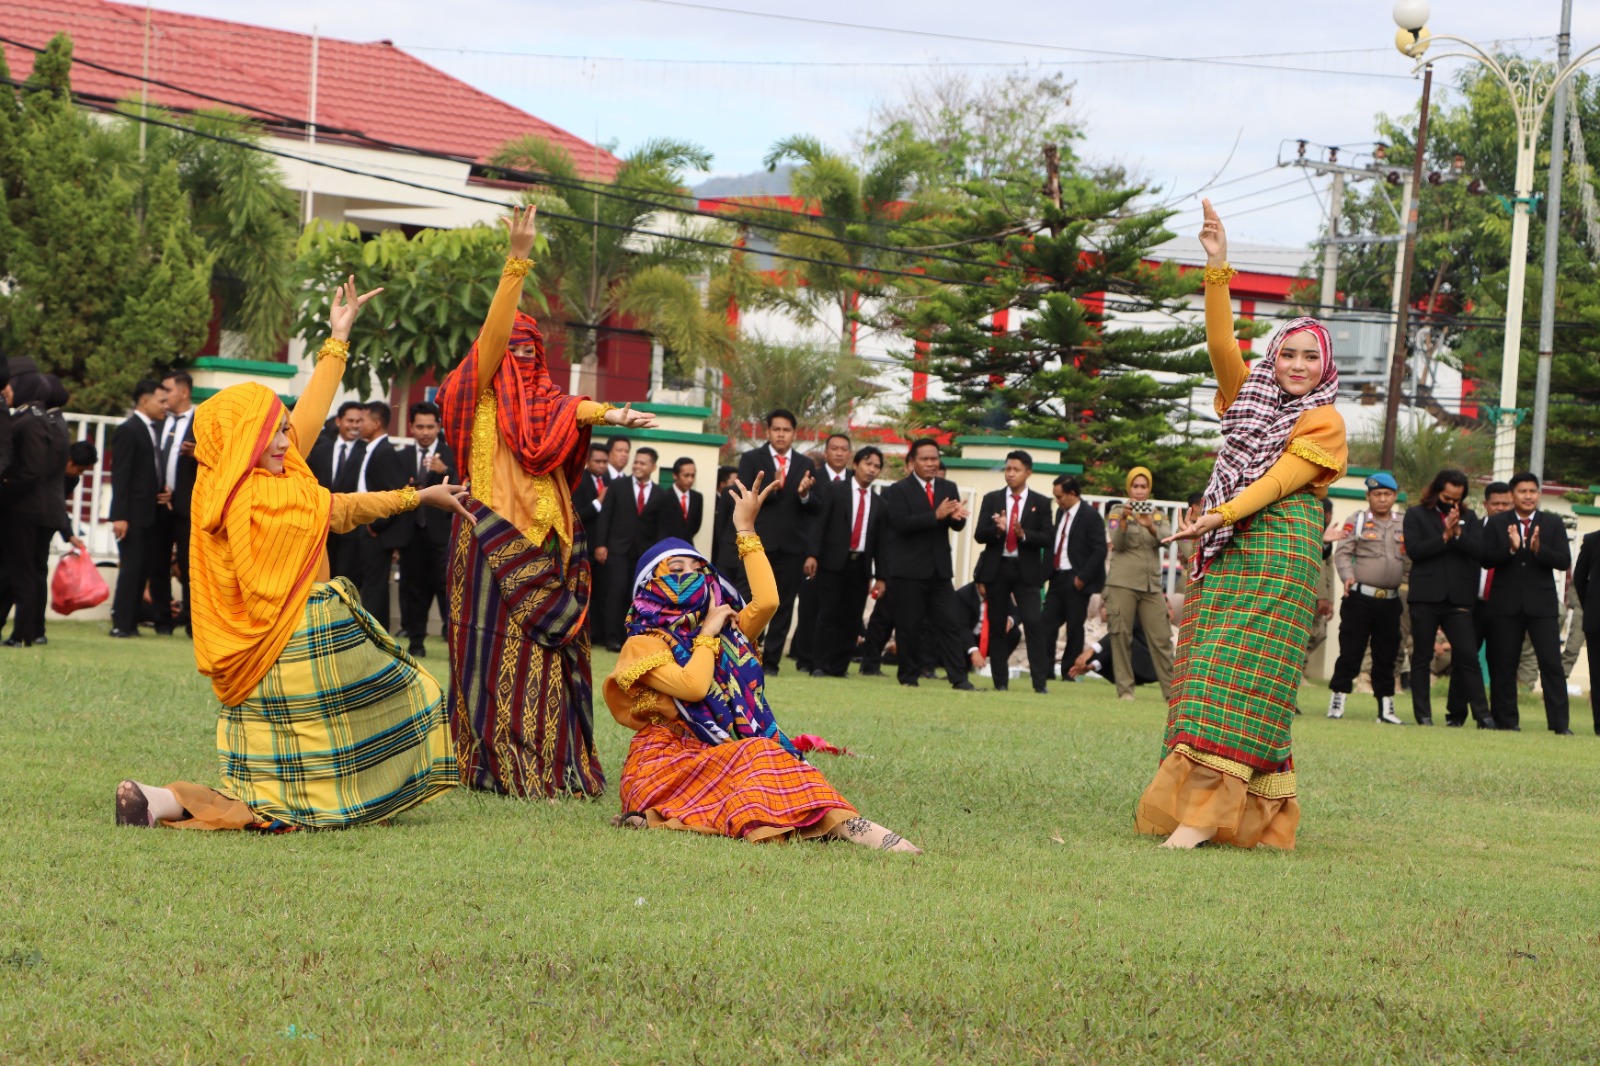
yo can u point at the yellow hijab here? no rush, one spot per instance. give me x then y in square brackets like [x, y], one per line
[255, 540]
[1127, 486]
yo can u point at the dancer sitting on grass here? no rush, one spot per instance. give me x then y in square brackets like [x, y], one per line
[707, 755]
[1227, 774]
[518, 583]
[325, 722]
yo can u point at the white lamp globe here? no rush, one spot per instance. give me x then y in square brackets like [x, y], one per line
[1411, 14]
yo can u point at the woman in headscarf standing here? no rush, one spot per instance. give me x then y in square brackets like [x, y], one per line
[1134, 592]
[707, 755]
[518, 583]
[1227, 775]
[325, 722]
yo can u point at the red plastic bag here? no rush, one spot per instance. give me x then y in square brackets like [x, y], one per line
[77, 584]
[812, 742]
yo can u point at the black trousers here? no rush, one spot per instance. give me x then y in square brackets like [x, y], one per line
[803, 648]
[1506, 633]
[422, 573]
[789, 571]
[840, 597]
[925, 610]
[1591, 644]
[1456, 701]
[618, 594]
[880, 626]
[1006, 586]
[163, 547]
[1466, 680]
[137, 563]
[344, 556]
[180, 541]
[1064, 604]
[25, 550]
[1366, 620]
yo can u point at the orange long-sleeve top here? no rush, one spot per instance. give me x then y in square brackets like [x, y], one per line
[1316, 454]
[647, 678]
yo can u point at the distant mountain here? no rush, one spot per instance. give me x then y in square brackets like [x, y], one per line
[759, 183]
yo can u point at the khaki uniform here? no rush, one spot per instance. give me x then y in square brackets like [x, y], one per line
[1373, 556]
[1133, 592]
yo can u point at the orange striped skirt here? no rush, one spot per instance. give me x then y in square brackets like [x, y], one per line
[750, 789]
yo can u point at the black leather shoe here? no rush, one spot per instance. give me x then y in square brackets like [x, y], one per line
[820, 673]
[931, 675]
[163, 631]
[13, 642]
[122, 634]
[418, 651]
[773, 670]
[41, 641]
[1041, 690]
[910, 684]
[873, 672]
[965, 686]
[1424, 721]
[1448, 724]
[1487, 723]
[613, 647]
[1562, 732]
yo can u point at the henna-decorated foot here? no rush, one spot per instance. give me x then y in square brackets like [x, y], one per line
[132, 806]
[631, 820]
[868, 833]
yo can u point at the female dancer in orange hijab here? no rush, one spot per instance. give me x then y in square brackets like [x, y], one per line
[324, 721]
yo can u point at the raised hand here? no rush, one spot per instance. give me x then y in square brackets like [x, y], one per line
[806, 481]
[1213, 238]
[1533, 539]
[345, 306]
[1515, 533]
[446, 497]
[519, 224]
[747, 501]
[716, 618]
[946, 508]
[627, 416]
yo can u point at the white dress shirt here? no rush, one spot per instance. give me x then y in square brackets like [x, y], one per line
[372, 445]
[177, 426]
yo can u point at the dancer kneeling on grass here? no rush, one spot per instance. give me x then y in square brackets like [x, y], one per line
[707, 755]
[1227, 774]
[325, 722]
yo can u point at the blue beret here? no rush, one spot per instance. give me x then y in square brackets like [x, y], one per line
[1383, 480]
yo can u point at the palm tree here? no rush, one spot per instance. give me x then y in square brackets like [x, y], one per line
[595, 265]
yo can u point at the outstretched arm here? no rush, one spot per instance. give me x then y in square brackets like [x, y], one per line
[496, 329]
[311, 410]
[1227, 362]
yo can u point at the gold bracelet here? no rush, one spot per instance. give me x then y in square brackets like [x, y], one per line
[747, 543]
[1220, 275]
[708, 643]
[1229, 515]
[334, 348]
[599, 417]
[408, 498]
[516, 268]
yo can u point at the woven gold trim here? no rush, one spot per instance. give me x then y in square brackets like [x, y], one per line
[598, 418]
[1243, 771]
[484, 434]
[1313, 452]
[408, 498]
[708, 643]
[516, 268]
[1267, 786]
[1272, 786]
[334, 348]
[639, 667]
[1219, 275]
[1226, 510]
[747, 543]
[644, 705]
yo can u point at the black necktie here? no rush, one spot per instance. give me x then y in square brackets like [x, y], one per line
[339, 457]
[155, 442]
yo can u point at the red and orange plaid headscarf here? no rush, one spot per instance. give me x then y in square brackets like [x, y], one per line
[255, 540]
[536, 419]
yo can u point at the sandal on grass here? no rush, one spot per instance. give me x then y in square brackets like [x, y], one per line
[132, 806]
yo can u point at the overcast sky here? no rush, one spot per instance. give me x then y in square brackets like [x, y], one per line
[632, 69]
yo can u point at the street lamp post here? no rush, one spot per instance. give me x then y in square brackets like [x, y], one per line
[1530, 91]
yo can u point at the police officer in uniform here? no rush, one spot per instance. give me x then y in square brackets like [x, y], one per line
[1371, 560]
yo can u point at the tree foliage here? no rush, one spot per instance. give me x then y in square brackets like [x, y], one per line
[820, 385]
[108, 281]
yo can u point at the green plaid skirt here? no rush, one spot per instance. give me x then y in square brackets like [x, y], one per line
[1242, 640]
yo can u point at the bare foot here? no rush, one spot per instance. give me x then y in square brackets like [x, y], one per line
[1189, 837]
[870, 834]
[631, 820]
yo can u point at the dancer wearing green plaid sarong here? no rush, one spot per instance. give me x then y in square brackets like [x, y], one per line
[1226, 774]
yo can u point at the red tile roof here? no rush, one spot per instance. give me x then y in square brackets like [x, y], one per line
[373, 89]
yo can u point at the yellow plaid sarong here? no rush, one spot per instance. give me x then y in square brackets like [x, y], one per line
[344, 729]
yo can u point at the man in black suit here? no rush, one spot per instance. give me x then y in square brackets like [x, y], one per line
[782, 522]
[136, 482]
[1443, 539]
[336, 461]
[1526, 547]
[586, 499]
[178, 468]
[686, 508]
[833, 468]
[724, 542]
[922, 509]
[630, 521]
[384, 468]
[423, 559]
[1014, 529]
[843, 562]
[1077, 567]
[1586, 586]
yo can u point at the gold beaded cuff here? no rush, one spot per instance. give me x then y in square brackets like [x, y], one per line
[598, 418]
[1229, 515]
[408, 498]
[708, 643]
[1219, 275]
[334, 348]
[747, 543]
[516, 268]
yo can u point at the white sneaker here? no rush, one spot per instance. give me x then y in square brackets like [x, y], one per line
[1336, 705]
[1386, 713]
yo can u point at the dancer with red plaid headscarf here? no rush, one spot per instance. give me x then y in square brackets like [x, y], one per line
[521, 697]
[1227, 775]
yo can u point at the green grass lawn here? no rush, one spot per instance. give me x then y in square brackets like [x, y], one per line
[1442, 904]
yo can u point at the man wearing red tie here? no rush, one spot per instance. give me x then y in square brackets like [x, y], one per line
[843, 562]
[1077, 562]
[586, 497]
[1525, 548]
[1014, 529]
[782, 522]
[629, 522]
[687, 508]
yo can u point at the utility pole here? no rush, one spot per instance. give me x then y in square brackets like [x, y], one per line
[1397, 365]
[1330, 250]
[1552, 246]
